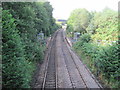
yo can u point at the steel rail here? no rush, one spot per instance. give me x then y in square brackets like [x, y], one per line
[51, 44]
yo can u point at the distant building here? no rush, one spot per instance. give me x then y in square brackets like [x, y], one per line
[61, 21]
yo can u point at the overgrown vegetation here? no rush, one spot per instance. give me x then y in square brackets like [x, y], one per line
[98, 43]
[21, 24]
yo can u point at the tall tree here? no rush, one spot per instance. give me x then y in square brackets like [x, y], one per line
[14, 65]
[79, 20]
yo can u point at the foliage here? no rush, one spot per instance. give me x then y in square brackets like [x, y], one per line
[106, 26]
[100, 44]
[32, 19]
[79, 20]
[42, 20]
[16, 69]
[85, 38]
[104, 59]
[22, 22]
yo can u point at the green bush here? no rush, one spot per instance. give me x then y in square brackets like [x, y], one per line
[104, 59]
[99, 44]
[32, 19]
[38, 52]
[16, 70]
[85, 38]
[90, 49]
[108, 61]
[22, 22]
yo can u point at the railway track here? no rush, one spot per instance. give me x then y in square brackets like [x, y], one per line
[90, 81]
[63, 69]
[76, 79]
[50, 72]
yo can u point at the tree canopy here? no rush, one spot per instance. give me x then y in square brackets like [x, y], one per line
[79, 20]
[22, 22]
[98, 42]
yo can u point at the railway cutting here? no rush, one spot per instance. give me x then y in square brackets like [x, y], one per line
[62, 68]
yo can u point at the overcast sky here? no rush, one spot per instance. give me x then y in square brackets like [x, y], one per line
[62, 8]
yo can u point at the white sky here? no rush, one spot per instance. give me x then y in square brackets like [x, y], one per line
[62, 8]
